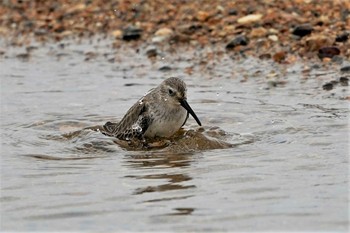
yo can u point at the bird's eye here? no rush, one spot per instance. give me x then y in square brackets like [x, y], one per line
[171, 92]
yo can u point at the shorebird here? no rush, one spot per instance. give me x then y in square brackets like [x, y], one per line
[161, 112]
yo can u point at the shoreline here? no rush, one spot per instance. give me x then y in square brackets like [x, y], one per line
[279, 30]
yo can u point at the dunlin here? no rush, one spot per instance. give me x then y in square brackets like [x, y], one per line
[160, 113]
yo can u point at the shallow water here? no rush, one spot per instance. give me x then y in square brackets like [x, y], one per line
[291, 175]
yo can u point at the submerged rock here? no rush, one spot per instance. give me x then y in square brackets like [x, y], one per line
[344, 81]
[183, 141]
[328, 86]
[345, 69]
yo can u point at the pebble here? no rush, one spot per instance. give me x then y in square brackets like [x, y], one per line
[328, 52]
[202, 16]
[342, 37]
[151, 52]
[314, 43]
[327, 86]
[249, 19]
[279, 56]
[265, 56]
[344, 81]
[258, 32]
[239, 40]
[162, 34]
[131, 33]
[345, 69]
[232, 12]
[117, 34]
[273, 38]
[302, 30]
[41, 32]
[189, 29]
[165, 68]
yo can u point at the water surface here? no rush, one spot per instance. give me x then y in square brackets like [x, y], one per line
[291, 175]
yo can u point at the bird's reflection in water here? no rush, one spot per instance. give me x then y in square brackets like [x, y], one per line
[172, 176]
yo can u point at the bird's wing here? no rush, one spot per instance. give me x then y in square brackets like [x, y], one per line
[133, 125]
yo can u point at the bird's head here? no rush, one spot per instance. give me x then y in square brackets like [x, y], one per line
[174, 91]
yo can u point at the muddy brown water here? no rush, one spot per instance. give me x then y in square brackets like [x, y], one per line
[288, 169]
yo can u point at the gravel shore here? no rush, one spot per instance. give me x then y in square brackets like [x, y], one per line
[268, 29]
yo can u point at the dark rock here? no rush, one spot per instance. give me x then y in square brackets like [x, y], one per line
[302, 30]
[328, 52]
[342, 37]
[344, 81]
[239, 40]
[327, 86]
[151, 52]
[131, 33]
[131, 84]
[232, 12]
[345, 69]
[265, 56]
[165, 68]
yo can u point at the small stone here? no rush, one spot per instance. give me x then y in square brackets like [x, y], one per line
[41, 32]
[342, 37]
[328, 52]
[131, 33]
[249, 19]
[345, 69]
[273, 38]
[258, 32]
[302, 30]
[279, 56]
[117, 34]
[165, 68]
[344, 81]
[189, 29]
[265, 56]
[326, 59]
[164, 32]
[232, 12]
[314, 43]
[327, 86]
[239, 40]
[151, 52]
[202, 16]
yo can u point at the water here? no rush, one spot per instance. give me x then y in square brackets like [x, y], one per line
[288, 169]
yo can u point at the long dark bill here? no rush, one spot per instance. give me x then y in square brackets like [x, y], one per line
[189, 109]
